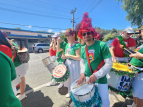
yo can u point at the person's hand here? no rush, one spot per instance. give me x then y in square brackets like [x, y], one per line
[92, 79]
[59, 40]
[64, 57]
[67, 55]
[114, 60]
[137, 55]
[81, 79]
[54, 41]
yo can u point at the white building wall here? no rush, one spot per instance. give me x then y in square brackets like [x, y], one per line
[24, 33]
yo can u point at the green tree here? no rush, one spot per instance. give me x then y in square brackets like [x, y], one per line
[64, 37]
[17, 28]
[114, 30]
[110, 36]
[134, 10]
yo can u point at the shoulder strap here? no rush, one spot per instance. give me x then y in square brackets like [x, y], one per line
[14, 55]
[86, 50]
[99, 66]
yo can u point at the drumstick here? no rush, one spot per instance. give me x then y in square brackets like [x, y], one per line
[44, 60]
[61, 55]
[40, 57]
[79, 85]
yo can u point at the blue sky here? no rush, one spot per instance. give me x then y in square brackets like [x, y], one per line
[108, 14]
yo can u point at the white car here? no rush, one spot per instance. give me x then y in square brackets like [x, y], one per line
[40, 47]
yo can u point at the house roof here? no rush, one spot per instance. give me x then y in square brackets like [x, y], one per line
[25, 30]
[25, 36]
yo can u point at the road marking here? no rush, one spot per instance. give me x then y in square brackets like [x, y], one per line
[35, 89]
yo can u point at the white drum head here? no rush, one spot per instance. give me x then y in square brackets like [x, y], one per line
[59, 71]
[82, 90]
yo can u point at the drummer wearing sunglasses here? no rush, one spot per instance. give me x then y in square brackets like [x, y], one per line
[96, 60]
[125, 39]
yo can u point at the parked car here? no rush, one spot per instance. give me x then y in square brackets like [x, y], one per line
[40, 47]
[109, 42]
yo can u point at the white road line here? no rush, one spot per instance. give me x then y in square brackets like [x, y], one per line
[35, 89]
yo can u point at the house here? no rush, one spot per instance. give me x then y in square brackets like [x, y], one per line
[27, 38]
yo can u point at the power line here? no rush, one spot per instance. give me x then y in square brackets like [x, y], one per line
[30, 25]
[87, 8]
[45, 6]
[5, 9]
[52, 4]
[28, 9]
[83, 5]
[95, 5]
[91, 5]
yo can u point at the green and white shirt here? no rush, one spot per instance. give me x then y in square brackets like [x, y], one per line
[7, 74]
[58, 54]
[97, 52]
[72, 50]
[137, 62]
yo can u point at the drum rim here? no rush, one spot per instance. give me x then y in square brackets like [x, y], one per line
[47, 58]
[86, 93]
[64, 74]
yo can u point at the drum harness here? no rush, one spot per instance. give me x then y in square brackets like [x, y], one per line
[99, 66]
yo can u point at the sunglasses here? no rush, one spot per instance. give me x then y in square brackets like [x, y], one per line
[129, 34]
[88, 33]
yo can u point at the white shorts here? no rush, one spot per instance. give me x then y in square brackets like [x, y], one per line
[104, 94]
[53, 58]
[21, 70]
[124, 59]
[138, 86]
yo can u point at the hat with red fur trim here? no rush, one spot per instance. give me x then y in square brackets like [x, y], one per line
[97, 37]
[86, 26]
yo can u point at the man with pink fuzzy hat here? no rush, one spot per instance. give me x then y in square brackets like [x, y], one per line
[96, 60]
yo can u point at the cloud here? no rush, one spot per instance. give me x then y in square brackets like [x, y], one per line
[50, 30]
[37, 29]
[29, 26]
[63, 31]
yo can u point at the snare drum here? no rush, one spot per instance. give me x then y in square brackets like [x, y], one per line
[46, 61]
[120, 78]
[60, 73]
[49, 64]
[85, 95]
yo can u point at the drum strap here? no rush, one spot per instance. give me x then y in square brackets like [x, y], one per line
[99, 66]
[14, 55]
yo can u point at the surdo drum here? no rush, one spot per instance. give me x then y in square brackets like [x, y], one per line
[120, 78]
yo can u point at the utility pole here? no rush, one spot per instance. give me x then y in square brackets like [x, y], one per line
[72, 20]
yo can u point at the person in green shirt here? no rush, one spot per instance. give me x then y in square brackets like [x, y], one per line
[59, 46]
[72, 56]
[21, 69]
[7, 74]
[137, 85]
[98, 51]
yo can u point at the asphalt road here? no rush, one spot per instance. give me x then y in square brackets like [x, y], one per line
[38, 95]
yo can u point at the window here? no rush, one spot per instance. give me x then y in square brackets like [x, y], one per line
[47, 45]
[39, 35]
[49, 36]
[42, 44]
[8, 32]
